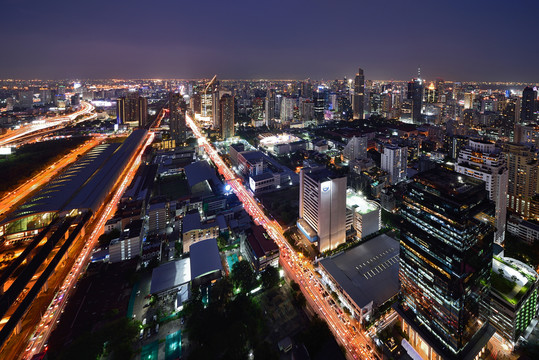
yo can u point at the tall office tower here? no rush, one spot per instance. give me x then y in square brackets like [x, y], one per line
[415, 94]
[306, 110]
[320, 99]
[287, 109]
[431, 94]
[132, 109]
[120, 111]
[522, 182]
[445, 263]
[356, 148]
[226, 113]
[529, 105]
[322, 207]
[359, 94]
[178, 127]
[142, 111]
[345, 108]
[257, 114]
[484, 161]
[395, 162]
[206, 105]
[269, 108]
[468, 100]
[217, 94]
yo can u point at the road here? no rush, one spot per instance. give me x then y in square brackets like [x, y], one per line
[13, 198]
[298, 268]
[9, 138]
[38, 340]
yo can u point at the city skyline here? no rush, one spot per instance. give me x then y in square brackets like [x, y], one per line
[388, 40]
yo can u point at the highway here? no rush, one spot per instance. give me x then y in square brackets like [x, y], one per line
[46, 124]
[37, 342]
[13, 198]
[299, 269]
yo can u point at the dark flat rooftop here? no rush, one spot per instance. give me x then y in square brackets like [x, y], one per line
[367, 272]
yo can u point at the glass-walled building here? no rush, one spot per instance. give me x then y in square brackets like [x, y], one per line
[445, 261]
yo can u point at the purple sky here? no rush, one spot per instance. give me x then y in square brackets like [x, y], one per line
[457, 40]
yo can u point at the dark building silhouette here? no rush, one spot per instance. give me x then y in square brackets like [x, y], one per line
[178, 127]
[132, 109]
[226, 116]
[415, 94]
[529, 104]
[359, 95]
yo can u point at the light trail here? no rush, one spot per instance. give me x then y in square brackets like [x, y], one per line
[37, 342]
[301, 270]
[11, 136]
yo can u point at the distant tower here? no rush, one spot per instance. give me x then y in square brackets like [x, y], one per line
[178, 127]
[226, 115]
[529, 105]
[359, 94]
[132, 109]
[415, 94]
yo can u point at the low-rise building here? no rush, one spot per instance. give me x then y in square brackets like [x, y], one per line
[366, 214]
[356, 274]
[193, 230]
[128, 246]
[260, 249]
[527, 231]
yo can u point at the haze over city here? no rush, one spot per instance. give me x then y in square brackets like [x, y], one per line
[456, 40]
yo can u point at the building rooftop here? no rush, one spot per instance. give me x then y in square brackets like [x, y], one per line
[511, 278]
[359, 202]
[320, 173]
[200, 171]
[260, 242]
[361, 270]
[191, 221]
[205, 258]
[170, 275]
[448, 183]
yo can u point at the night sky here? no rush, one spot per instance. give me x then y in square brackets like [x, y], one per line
[469, 40]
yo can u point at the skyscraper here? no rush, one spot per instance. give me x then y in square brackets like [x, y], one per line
[395, 161]
[484, 161]
[132, 109]
[322, 207]
[445, 263]
[522, 181]
[529, 105]
[415, 94]
[178, 127]
[359, 94]
[226, 114]
[269, 108]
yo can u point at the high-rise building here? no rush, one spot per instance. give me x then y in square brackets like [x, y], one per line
[322, 207]
[415, 94]
[522, 182]
[269, 108]
[320, 99]
[529, 105]
[431, 94]
[445, 262]
[226, 114]
[306, 111]
[356, 148]
[287, 109]
[217, 94]
[359, 95]
[257, 113]
[132, 109]
[178, 127]
[484, 161]
[395, 162]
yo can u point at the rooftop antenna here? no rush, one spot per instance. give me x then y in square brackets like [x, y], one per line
[419, 72]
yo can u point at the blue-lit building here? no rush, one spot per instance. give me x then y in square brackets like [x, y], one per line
[445, 261]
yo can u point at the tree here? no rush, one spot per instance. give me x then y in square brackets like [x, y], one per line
[270, 277]
[222, 242]
[243, 276]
